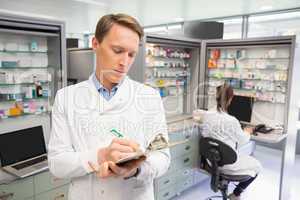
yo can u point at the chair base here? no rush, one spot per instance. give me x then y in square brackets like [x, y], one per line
[214, 197]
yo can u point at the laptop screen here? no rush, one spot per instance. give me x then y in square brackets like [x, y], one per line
[21, 145]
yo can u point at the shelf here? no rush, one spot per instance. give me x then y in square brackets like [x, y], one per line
[246, 79]
[174, 77]
[166, 57]
[26, 67]
[253, 96]
[25, 99]
[239, 59]
[240, 69]
[254, 90]
[166, 67]
[6, 51]
[155, 86]
[179, 95]
[12, 84]
[25, 115]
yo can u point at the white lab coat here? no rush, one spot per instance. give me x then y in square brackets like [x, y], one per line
[226, 128]
[81, 124]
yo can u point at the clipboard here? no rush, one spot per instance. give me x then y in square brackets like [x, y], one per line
[158, 143]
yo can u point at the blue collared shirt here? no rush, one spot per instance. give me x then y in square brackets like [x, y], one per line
[102, 90]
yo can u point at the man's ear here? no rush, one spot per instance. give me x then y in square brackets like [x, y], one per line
[95, 43]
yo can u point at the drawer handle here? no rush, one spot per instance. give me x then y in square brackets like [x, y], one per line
[166, 194]
[5, 196]
[61, 196]
[185, 172]
[167, 181]
[187, 147]
[186, 160]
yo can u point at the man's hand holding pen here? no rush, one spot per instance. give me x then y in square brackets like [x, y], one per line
[108, 156]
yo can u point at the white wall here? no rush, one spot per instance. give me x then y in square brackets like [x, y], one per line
[77, 15]
[131, 7]
[162, 11]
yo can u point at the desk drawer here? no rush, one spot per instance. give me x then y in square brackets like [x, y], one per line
[184, 184]
[181, 162]
[60, 193]
[167, 193]
[45, 181]
[18, 190]
[182, 149]
[184, 174]
[165, 181]
[180, 135]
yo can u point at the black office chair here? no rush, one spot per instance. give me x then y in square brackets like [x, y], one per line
[215, 154]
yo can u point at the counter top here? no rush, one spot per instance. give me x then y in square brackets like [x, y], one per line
[181, 123]
[272, 137]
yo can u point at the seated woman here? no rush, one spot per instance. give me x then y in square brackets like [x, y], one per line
[220, 125]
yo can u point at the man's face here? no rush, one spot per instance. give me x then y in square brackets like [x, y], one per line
[115, 54]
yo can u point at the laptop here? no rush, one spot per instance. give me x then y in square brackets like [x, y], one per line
[23, 152]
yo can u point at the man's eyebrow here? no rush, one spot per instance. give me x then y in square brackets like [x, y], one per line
[122, 48]
[118, 47]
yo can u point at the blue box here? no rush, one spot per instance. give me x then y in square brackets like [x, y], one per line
[9, 64]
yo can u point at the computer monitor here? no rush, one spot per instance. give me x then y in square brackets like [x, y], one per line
[21, 145]
[241, 108]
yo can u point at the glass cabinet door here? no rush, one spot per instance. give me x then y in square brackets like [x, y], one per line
[29, 73]
[168, 69]
[257, 72]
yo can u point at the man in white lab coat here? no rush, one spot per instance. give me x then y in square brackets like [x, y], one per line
[85, 117]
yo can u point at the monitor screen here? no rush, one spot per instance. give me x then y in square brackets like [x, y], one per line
[241, 108]
[21, 145]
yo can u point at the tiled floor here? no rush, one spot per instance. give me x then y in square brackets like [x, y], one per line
[265, 187]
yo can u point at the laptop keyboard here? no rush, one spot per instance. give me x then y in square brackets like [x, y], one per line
[30, 162]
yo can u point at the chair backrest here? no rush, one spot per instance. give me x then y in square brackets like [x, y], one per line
[216, 150]
[218, 154]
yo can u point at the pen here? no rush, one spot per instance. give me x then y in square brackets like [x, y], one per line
[116, 133]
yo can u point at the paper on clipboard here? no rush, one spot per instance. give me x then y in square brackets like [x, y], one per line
[158, 143]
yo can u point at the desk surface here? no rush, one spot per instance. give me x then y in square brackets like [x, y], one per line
[274, 136]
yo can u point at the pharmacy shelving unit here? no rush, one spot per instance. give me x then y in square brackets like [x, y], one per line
[171, 66]
[32, 69]
[32, 64]
[260, 68]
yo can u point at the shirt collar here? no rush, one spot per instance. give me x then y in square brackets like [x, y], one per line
[99, 86]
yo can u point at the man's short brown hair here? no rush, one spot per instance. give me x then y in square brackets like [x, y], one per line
[107, 21]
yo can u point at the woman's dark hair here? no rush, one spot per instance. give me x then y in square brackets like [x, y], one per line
[223, 97]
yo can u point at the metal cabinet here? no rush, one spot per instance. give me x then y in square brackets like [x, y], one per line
[42, 186]
[18, 190]
[60, 193]
[182, 172]
[45, 181]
